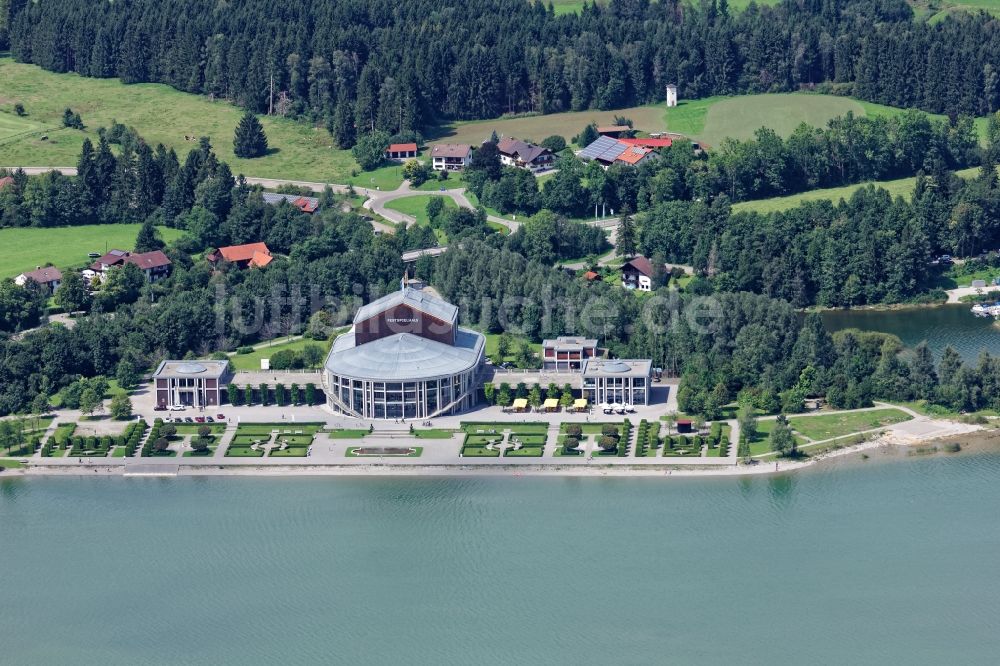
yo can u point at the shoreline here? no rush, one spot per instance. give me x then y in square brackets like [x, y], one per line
[888, 445]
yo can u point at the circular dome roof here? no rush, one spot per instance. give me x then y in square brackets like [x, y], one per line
[191, 368]
[615, 366]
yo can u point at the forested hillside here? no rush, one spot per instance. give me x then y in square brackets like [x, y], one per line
[358, 64]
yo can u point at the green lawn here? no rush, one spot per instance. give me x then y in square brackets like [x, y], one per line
[385, 178]
[416, 207]
[480, 452]
[647, 118]
[902, 187]
[12, 125]
[493, 340]
[192, 428]
[65, 247]
[10, 464]
[252, 360]
[161, 114]
[239, 451]
[454, 181]
[713, 119]
[524, 452]
[433, 433]
[827, 426]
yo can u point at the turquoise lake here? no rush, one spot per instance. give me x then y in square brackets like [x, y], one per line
[940, 326]
[872, 563]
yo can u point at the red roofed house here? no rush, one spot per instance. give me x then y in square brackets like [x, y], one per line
[251, 255]
[401, 151]
[5, 181]
[49, 277]
[155, 264]
[634, 155]
[637, 273]
[590, 276]
[662, 142]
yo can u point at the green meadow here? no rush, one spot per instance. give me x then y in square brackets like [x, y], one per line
[160, 114]
[65, 247]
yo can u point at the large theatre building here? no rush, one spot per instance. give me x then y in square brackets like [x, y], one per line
[405, 357]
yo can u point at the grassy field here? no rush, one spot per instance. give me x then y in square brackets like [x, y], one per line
[65, 247]
[251, 361]
[715, 118]
[647, 118]
[902, 187]
[416, 206]
[160, 113]
[827, 426]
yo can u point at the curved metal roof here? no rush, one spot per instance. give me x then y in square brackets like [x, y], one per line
[405, 356]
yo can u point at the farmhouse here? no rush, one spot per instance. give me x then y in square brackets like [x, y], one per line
[305, 204]
[607, 151]
[614, 131]
[450, 157]
[523, 155]
[637, 273]
[622, 381]
[190, 383]
[405, 357]
[401, 151]
[155, 265]
[567, 353]
[49, 277]
[250, 255]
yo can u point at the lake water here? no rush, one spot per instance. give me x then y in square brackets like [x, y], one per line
[875, 563]
[939, 326]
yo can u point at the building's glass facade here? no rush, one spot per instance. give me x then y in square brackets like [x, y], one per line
[373, 399]
[610, 390]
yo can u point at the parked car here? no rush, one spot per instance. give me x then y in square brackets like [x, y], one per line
[160, 408]
[209, 419]
[221, 417]
[188, 419]
[177, 408]
[199, 419]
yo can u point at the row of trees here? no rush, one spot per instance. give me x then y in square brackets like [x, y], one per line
[280, 394]
[362, 65]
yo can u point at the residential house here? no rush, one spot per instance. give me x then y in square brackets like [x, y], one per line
[637, 273]
[607, 151]
[5, 181]
[305, 204]
[155, 264]
[567, 353]
[523, 155]
[591, 276]
[401, 151]
[450, 157]
[48, 277]
[250, 255]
